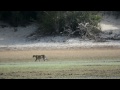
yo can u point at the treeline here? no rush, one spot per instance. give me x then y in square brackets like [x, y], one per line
[57, 22]
[83, 24]
[50, 22]
[53, 22]
[18, 18]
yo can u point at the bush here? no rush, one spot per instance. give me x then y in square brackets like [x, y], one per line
[18, 18]
[52, 22]
[55, 22]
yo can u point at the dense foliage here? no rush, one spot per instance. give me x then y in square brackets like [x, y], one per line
[51, 22]
[17, 18]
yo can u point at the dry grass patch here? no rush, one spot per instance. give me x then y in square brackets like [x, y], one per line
[72, 54]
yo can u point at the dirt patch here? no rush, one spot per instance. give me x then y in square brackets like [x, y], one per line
[26, 55]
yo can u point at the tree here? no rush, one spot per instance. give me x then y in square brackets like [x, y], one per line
[55, 22]
[18, 18]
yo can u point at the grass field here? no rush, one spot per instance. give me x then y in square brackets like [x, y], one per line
[61, 64]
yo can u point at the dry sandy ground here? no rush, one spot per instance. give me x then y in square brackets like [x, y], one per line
[58, 54]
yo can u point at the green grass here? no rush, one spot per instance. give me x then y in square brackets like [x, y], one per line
[61, 64]
[61, 69]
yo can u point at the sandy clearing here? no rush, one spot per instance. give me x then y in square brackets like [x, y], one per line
[110, 23]
[59, 54]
